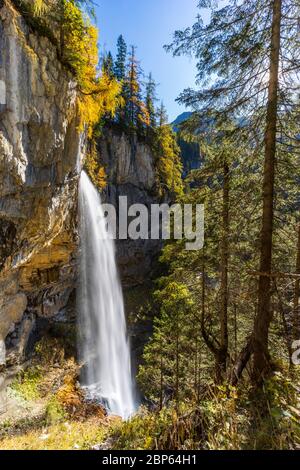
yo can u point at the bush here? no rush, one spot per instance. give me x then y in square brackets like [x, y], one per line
[55, 412]
[27, 383]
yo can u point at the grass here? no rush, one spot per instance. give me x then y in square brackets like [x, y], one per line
[161, 430]
[69, 435]
[54, 414]
[55, 411]
[27, 383]
[58, 417]
[235, 419]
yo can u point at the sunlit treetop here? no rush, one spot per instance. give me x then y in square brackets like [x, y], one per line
[233, 58]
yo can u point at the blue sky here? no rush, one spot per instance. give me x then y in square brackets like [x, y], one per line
[149, 24]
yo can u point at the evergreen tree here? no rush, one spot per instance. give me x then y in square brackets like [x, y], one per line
[168, 158]
[108, 65]
[168, 372]
[150, 100]
[120, 63]
[162, 115]
[252, 48]
[136, 115]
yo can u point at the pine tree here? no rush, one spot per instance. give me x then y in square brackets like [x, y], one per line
[136, 115]
[252, 48]
[217, 180]
[168, 158]
[167, 371]
[108, 65]
[120, 63]
[162, 115]
[264, 314]
[150, 100]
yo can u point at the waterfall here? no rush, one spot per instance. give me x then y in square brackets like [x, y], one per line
[103, 344]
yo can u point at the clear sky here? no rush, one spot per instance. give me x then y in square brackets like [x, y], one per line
[149, 24]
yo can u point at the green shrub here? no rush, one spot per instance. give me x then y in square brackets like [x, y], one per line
[55, 412]
[27, 383]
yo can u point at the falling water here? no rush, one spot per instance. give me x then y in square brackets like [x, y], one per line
[104, 348]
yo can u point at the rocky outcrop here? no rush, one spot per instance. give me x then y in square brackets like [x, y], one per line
[39, 149]
[129, 165]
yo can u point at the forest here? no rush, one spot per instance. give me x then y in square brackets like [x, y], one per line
[216, 365]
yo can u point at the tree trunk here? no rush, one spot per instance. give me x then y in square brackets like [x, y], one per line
[235, 333]
[209, 341]
[241, 362]
[219, 348]
[61, 29]
[161, 396]
[196, 370]
[296, 312]
[222, 355]
[287, 332]
[261, 361]
[177, 366]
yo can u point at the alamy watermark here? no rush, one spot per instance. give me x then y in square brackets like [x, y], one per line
[158, 221]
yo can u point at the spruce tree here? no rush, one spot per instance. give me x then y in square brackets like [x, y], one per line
[120, 63]
[167, 372]
[162, 115]
[167, 155]
[247, 64]
[136, 115]
[150, 100]
[108, 65]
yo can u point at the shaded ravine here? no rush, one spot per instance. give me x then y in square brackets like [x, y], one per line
[103, 344]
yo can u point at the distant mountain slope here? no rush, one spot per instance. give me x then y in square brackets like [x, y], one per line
[190, 152]
[181, 118]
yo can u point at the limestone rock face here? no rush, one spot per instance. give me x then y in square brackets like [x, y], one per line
[130, 168]
[127, 162]
[39, 149]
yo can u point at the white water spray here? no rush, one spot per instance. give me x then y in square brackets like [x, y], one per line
[103, 344]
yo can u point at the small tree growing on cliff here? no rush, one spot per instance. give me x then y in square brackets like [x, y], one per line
[120, 63]
[150, 100]
[136, 115]
[162, 115]
[167, 154]
[108, 65]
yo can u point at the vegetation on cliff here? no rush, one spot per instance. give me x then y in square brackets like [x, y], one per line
[111, 94]
[69, 28]
[138, 116]
[49, 408]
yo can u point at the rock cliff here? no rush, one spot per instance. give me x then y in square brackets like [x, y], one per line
[129, 165]
[39, 149]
